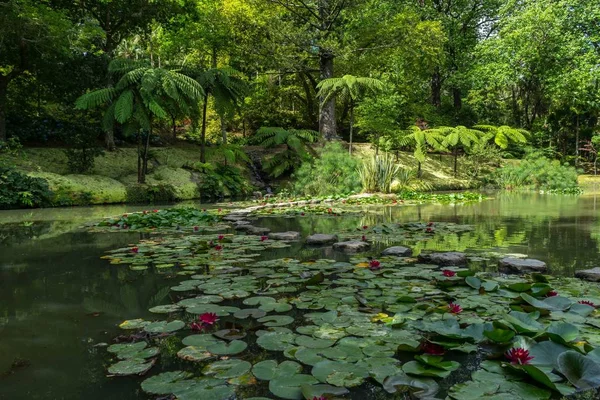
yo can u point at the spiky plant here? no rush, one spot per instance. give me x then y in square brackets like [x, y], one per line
[296, 143]
[141, 95]
[503, 135]
[228, 88]
[350, 89]
[421, 140]
[378, 173]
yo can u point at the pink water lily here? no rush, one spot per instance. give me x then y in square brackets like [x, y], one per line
[364, 238]
[196, 229]
[208, 318]
[218, 247]
[518, 355]
[263, 238]
[220, 237]
[432, 348]
[135, 249]
[374, 265]
[454, 308]
[365, 227]
[195, 326]
[587, 303]
[552, 293]
[448, 273]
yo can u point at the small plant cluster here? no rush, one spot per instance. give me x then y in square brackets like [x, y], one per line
[18, 190]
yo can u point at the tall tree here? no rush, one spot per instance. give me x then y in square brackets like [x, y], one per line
[349, 89]
[30, 31]
[141, 95]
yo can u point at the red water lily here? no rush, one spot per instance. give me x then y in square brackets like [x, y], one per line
[220, 237]
[448, 273]
[302, 214]
[430, 224]
[196, 229]
[365, 227]
[218, 247]
[155, 211]
[454, 308]
[263, 238]
[374, 265]
[135, 249]
[552, 293]
[364, 238]
[587, 303]
[429, 230]
[432, 348]
[195, 326]
[208, 318]
[518, 355]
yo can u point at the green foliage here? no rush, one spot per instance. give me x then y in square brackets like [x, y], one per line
[81, 156]
[503, 135]
[483, 159]
[18, 190]
[378, 173]
[296, 143]
[422, 140]
[168, 218]
[220, 180]
[539, 173]
[150, 194]
[12, 147]
[333, 171]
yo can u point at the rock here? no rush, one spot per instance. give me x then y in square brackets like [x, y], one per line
[352, 246]
[241, 222]
[520, 265]
[398, 251]
[257, 230]
[592, 275]
[243, 227]
[290, 235]
[321, 238]
[444, 259]
[233, 217]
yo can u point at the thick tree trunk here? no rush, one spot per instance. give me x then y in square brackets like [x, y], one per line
[436, 89]
[327, 124]
[3, 103]
[456, 94]
[203, 132]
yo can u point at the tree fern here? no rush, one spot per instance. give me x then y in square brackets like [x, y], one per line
[95, 99]
[296, 143]
[503, 135]
[124, 106]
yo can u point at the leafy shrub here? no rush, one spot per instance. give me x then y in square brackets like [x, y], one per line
[483, 159]
[18, 190]
[333, 171]
[172, 217]
[537, 172]
[220, 180]
[12, 147]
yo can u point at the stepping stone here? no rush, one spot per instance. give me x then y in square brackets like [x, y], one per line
[398, 251]
[521, 265]
[243, 227]
[321, 238]
[233, 217]
[352, 246]
[592, 275]
[290, 235]
[444, 259]
[241, 222]
[257, 230]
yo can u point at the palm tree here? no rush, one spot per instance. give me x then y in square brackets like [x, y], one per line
[348, 88]
[141, 95]
[457, 137]
[421, 140]
[297, 148]
[503, 135]
[228, 89]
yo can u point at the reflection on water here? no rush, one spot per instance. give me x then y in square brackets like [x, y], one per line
[58, 298]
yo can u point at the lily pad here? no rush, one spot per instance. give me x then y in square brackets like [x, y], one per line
[227, 348]
[290, 387]
[340, 374]
[131, 366]
[164, 326]
[270, 369]
[226, 369]
[276, 341]
[581, 371]
[276, 320]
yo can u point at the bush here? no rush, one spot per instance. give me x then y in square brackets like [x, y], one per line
[82, 154]
[378, 173]
[332, 172]
[141, 194]
[537, 172]
[221, 180]
[18, 190]
[482, 161]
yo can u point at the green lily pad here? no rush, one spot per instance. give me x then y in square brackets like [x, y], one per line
[562, 332]
[227, 348]
[417, 368]
[276, 320]
[581, 371]
[340, 374]
[422, 387]
[194, 353]
[230, 334]
[201, 340]
[226, 369]
[133, 324]
[499, 335]
[196, 301]
[131, 366]
[318, 391]
[165, 309]
[164, 326]
[437, 362]
[249, 312]
[276, 341]
[221, 311]
[270, 369]
[290, 387]
[133, 350]
[166, 383]
[312, 343]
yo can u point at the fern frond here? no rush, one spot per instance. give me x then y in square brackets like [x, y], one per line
[96, 98]
[124, 107]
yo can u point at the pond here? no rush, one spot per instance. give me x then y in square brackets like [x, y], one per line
[59, 300]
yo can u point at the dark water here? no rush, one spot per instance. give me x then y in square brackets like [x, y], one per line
[58, 298]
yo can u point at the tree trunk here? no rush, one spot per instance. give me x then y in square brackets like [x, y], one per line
[3, 104]
[436, 89]
[455, 161]
[456, 94]
[351, 126]
[174, 121]
[139, 158]
[327, 123]
[203, 132]
[223, 130]
[419, 172]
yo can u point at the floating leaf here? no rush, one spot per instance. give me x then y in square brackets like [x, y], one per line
[164, 326]
[270, 369]
[340, 374]
[227, 348]
[276, 320]
[581, 371]
[289, 387]
[131, 366]
[227, 368]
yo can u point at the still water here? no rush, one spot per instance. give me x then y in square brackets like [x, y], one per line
[58, 299]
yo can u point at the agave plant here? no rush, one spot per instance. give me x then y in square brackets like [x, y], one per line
[378, 173]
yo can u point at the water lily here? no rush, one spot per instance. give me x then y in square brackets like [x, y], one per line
[263, 238]
[365, 227]
[552, 293]
[518, 355]
[155, 211]
[208, 318]
[195, 326]
[430, 224]
[432, 348]
[587, 303]
[220, 237]
[319, 398]
[454, 308]
[196, 229]
[364, 238]
[429, 230]
[135, 249]
[302, 214]
[374, 265]
[448, 273]
[218, 247]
